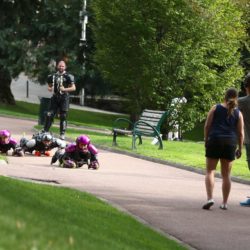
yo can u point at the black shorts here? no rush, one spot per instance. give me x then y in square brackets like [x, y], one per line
[221, 149]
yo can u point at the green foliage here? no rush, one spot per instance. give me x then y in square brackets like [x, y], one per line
[55, 35]
[159, 50]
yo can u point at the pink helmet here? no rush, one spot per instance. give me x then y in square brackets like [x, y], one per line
[84, 139]
[4, 133]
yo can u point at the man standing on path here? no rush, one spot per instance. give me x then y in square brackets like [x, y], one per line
[60, 84]
[244, 106]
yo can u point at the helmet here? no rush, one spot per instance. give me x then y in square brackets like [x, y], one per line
[4, 133]
[84, 139]
[46, 137]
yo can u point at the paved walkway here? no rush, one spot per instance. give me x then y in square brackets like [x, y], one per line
[167, 198]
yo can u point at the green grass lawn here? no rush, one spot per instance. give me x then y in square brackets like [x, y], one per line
[46, 217]
[76, 117]
[35, 216]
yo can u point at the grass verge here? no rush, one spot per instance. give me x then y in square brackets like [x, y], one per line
[37, 216]
[76, 117]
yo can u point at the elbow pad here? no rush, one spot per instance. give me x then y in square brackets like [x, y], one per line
[60, 143]
[31, 143]
[92, 149]
[13, 141]
[70, 148]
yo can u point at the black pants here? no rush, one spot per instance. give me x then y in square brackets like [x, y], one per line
[59, 104]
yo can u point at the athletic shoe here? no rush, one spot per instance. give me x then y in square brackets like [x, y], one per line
[62, 137]
[54, 159]
[223, 206]
[245, 203]
[209, 204]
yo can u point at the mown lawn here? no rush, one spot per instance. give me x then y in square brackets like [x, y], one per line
[35, 216]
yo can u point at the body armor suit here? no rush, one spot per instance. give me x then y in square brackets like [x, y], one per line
[37, 143]
[74, 156]
[59, 102]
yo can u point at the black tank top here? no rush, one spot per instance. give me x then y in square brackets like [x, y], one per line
[224, 126]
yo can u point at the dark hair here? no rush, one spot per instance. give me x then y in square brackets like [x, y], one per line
[231, 97]
[247, 81]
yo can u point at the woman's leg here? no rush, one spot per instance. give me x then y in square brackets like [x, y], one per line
[226, 166]
[209, 179]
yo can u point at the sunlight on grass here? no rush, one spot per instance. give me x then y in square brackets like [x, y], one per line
[35, 216]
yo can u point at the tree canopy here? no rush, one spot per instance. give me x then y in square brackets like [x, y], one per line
[34, 34]
[154, 52]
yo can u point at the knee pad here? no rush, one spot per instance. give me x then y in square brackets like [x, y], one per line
[63, 116]
[49, 114]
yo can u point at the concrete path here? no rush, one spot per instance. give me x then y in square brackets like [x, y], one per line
[167, 198]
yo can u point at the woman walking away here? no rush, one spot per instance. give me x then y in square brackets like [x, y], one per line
[223, 130]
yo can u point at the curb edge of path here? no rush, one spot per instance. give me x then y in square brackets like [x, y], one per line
[171, 164]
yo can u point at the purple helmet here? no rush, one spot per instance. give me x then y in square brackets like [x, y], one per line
[4, 133]
[84, 139]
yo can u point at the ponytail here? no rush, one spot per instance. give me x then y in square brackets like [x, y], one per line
[231, 104]
[231, 100]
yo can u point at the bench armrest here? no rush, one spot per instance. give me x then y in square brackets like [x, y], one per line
[122, 120]
[134, 133]
[145, 123]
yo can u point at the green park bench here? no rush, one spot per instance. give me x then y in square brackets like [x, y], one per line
[149, 124]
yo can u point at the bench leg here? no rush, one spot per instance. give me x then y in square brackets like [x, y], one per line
[140, 139]
[160, 142]
[133, 142]
[114, 138]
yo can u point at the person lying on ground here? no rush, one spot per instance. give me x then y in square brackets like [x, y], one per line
[78, 153]
[41, 144]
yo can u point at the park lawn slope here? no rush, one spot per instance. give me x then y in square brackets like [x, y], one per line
[35, 216]
[75, 116]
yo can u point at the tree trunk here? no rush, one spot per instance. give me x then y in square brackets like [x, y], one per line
[6, 95]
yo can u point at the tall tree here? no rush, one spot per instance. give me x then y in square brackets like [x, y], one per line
[55, 34]
[156, 51]
[15, 19]
[34, 34]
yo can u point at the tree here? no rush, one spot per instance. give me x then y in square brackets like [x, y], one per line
[15, 18]
[55, 35]
[34, 34]
[156, 51]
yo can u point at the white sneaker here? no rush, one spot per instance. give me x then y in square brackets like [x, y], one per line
[62, 137]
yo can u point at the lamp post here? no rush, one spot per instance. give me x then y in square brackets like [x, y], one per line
[83, 21]
[83, 42]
